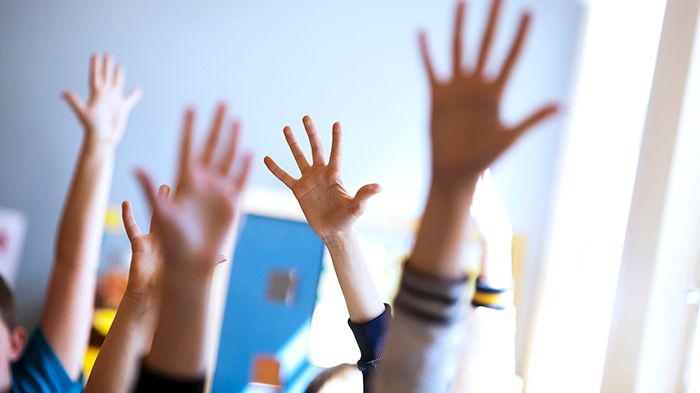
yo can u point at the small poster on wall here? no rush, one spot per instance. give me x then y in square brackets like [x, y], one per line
[12, 229]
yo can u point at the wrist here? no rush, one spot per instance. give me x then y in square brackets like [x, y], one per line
[455, 189]
[185, 282]
[137, 317]
[338, 239]
[101, 147]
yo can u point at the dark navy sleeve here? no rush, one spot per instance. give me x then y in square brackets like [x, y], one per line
[371, 338]
[154, 382]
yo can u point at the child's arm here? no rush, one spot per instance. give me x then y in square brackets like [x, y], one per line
[65, 320]
[332, 212]
[467, 135]
[192, 226]
[131, 332]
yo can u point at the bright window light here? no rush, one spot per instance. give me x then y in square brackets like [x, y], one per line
[592, 199]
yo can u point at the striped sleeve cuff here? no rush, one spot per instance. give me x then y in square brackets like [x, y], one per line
[430, 298]
[491, 297]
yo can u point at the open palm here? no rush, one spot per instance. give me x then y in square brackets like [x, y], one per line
[329, 209]
[466, 131]
[194, 224]
[105, 113]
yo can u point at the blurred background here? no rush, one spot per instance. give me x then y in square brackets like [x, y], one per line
[603, 198]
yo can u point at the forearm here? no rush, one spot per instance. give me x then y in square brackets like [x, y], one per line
[65, 320]
[441, 233]
[179, 348]
[128, 340]
[361, 295]
[82, 222]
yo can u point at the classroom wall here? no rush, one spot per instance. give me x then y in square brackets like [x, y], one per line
[274, 61]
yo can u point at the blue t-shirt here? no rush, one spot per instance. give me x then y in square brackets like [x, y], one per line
[40, 371]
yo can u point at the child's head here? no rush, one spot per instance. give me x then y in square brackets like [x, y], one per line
[340, 378]
[12, 336]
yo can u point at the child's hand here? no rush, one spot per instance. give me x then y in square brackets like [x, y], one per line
[466, 130]
[194, 224]
[329, 209]
[146, 253]
[105, 114]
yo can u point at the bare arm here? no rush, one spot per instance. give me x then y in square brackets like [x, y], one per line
[332, 212]
[193, 227]
[131, 332]
[65, 320]
[467, 135]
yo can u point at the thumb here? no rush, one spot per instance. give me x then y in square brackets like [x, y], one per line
[76, 104]
[363, 195]
[133, 97]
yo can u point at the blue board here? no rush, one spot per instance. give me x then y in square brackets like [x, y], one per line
[254, 324]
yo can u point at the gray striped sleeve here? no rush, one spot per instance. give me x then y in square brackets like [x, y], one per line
[425, 339]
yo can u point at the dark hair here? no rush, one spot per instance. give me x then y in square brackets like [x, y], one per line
[328, 375]
[8, 311]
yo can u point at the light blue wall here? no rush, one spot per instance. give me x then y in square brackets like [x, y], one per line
[355, 61]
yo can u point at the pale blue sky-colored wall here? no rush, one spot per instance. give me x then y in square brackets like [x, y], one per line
[273, 61]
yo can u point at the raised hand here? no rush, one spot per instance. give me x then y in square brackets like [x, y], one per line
[146, 253]
[194, 224]
[331, 212]
[193, 227]
[131, 333]
[466, 130]
[329, 209]
[105, 113]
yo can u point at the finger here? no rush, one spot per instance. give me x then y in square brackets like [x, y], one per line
[76, 104]
[457, 57]
[106, 68]
[279, 172]
[148, 188]
[487, 40]
[363, 195]
[119, 75]
[186, 144]
[230, 154]
[425, 56]
[295, 148]
[132, 229]
[240, 180]
[94, 72]
[314, 141]
[531, 121]
[221, 258]
[214, 133]
[133, 98]
[334, 161]
[163, 195]
[515, 51]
